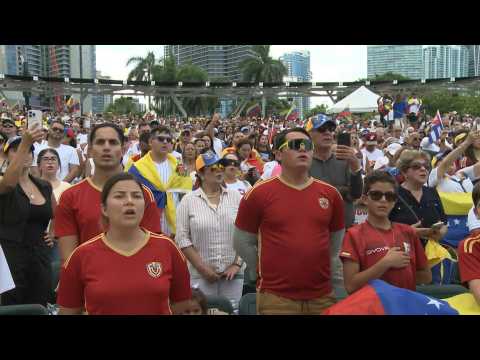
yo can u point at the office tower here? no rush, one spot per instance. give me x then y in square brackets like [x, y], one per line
[406, 60]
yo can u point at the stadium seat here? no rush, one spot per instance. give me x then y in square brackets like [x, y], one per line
[221, 303]
[248, 304]
[28, 309]
[441, 291]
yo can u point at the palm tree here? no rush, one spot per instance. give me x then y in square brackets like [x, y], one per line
[263, 68]
[143, 69]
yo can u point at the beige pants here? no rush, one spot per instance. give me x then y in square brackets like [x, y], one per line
[270, 304]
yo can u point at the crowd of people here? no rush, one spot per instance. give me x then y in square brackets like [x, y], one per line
[156, 215]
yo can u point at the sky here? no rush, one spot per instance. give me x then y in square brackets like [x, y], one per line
[327, 62]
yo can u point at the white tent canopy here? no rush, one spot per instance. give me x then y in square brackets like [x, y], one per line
[360, 101]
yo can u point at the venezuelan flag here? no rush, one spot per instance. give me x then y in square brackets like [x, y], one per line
[381, 298]
[254, 110]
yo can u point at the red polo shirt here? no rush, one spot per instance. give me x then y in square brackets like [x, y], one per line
[367, 245]
[109, 282]
[78, 212]
[293, 226]
[469, 258]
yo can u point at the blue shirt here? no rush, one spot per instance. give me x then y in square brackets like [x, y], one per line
[399, 109]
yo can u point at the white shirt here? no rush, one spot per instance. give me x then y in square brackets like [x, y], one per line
[472, 221]
[453, 183]
[177, 155]
[68, 156]
[82, 139]
[371, 156]
[208, 228]
[218, 146]
[268, 169]
[6, 280]
[133, 150]
[241, 186]
[425, 145]
[165, 172]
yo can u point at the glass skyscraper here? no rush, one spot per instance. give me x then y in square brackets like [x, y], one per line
[406, 60]
[444, 61]
[298, 65]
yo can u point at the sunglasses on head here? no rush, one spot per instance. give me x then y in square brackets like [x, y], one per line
[376, 195]
[298, 144]
[329, 127]
[162, 139]
[418, 166]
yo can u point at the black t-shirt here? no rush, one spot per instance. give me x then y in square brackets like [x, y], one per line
[429, 211]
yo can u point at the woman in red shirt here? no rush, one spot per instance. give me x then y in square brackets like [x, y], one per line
[127, 270]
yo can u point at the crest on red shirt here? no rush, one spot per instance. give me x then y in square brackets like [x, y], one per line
[406, 247]
[323, 203]
[154, 269]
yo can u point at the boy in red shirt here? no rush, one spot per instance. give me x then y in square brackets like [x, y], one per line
[380, 249]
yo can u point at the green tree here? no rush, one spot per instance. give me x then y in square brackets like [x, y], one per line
[122, 106]
[262, 68]
[143, 70]
[388, 76]
[316, 110]
[447, 101]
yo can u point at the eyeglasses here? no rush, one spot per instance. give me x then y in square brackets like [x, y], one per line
[58, 130]
[418, 166]
[298, 144]
[376, 195]
[49, 159]
[164, 139]
[329, 127]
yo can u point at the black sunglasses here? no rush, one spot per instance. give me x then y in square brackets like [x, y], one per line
[230, 162]
[376, 195]
[418, 166]
[298, 144]
[329, 127]
[163, 139]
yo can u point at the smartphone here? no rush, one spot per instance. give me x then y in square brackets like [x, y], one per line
[437, 226]
[34, 117]
[344, 139]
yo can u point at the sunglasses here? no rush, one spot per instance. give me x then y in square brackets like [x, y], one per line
[216, 167]
[329, 127]
[376, 195]
[58, 130]
[230, 162]
[298, 144]
[418, 166]
[163, 139]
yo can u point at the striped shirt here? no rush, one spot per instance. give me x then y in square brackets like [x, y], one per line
[208, 228]
[164, 173]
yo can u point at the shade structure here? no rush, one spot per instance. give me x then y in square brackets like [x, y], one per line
[360, 101]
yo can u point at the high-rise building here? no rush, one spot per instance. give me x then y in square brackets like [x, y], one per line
[473, 60]
[406, 60]
[38, 59]
[219, 61]
[444, 61]
[101, 102]
[298, 65]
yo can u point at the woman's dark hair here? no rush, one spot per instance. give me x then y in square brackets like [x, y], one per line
[280, 138]
[121, 137]
[199, 296]
[476, 194]
[376, 177]
[48, 150]
[115, 179]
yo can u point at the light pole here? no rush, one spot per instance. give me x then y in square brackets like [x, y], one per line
[26, 94]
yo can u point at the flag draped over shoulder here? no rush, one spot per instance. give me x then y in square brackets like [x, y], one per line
[381, 298]
[146, 172]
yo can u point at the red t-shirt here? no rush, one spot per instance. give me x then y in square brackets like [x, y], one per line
[366, 245]
[108, 282]
[469, 258]
[78, 212]
[293, 227]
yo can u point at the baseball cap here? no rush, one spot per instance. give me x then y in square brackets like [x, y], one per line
[208, 158]
[14, 142]
[245, 128]
[317, 121]
[371, 139]
[393, 148]
[8, 120]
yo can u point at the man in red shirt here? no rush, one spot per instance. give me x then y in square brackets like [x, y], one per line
[299, 223]
[469, 263]
[108, 281]
[77, 215]
[380, 249]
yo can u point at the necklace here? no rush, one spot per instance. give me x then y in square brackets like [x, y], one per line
[30, 190]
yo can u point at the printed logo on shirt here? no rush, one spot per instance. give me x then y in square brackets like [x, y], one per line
[323, 203]
[377, 250]
[344, 253]
[154, 269]
[406, 247]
